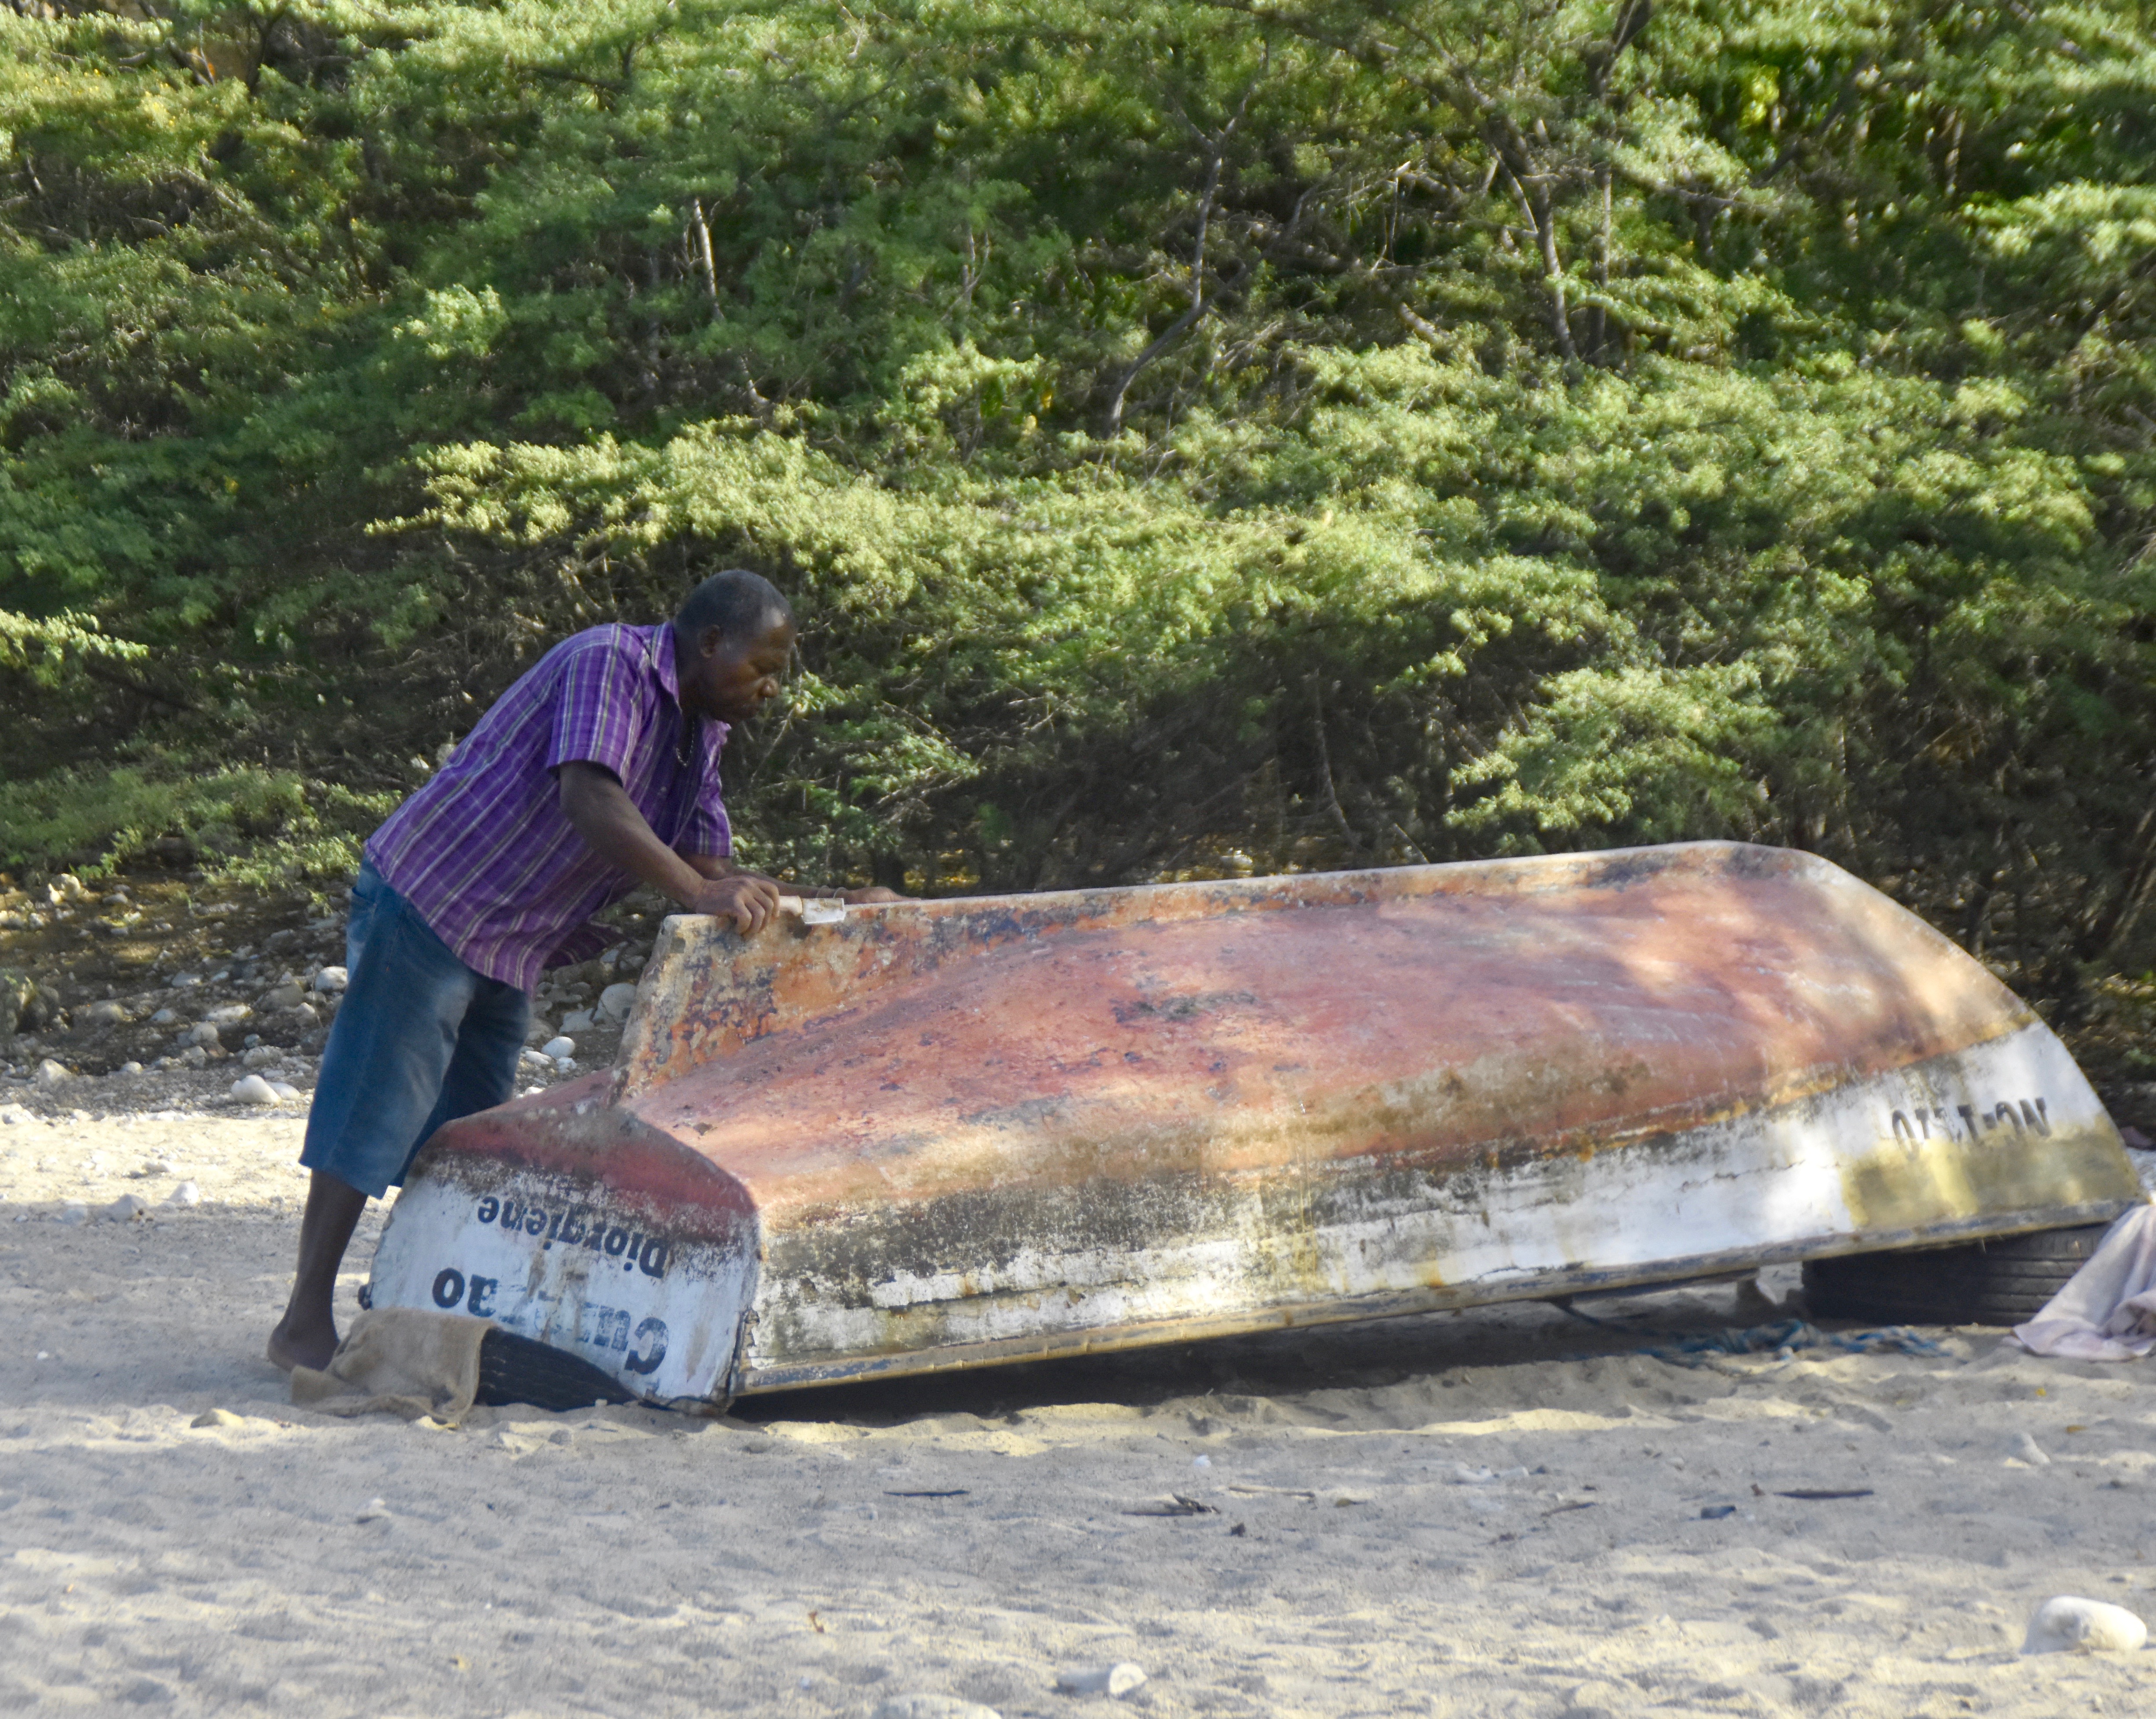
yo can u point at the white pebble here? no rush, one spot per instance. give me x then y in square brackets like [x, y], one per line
[126, 1209]
[2066, 1625]
[2030, 1451]
[565, 1065]
[74, 1215]
[932, 1706]
[217, 1418]
[284, 1089]
[535, 1059]
[374, 1511]
[1201, 1462]
[50, 1074]
[1117, 1679]
[185, 1194]
[558, 1047]
[614, 1002]
[330, 980]
[130, 1067]
[253, 1089]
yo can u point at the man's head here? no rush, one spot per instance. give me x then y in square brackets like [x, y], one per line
[732, 640]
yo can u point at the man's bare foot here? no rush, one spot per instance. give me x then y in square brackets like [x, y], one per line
[306, 1336]
[290, 1349]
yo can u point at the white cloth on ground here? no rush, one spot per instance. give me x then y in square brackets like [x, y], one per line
[2108, 1310]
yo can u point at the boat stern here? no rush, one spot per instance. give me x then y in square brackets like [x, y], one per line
[573, 1222]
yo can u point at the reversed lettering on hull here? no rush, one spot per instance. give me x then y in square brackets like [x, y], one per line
[660, 1314]
[578, 1227]
[2030, 1116]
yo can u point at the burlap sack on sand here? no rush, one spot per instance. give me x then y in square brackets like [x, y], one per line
[403, 1361]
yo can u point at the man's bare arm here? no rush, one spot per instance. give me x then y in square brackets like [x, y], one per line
[710, 866]
[599, 809]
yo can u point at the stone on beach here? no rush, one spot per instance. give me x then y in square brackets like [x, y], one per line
[330, 980]
[373, 1511]
[2066, 1623]
[50, 1074]
[253, 1089]
[615, 1001]
[185, 1194]
[2030, 1451]
[1117, 1680]
[558, 1047]
[217, 1418]
[126, 1209]
[932, 1706]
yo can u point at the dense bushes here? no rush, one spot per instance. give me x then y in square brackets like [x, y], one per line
[1200, 434]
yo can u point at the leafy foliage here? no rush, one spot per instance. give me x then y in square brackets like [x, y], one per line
[1200, 434]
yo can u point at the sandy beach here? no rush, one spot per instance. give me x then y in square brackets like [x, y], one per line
[1501, 1512]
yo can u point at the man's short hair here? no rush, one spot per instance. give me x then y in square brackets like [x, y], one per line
[740, 604]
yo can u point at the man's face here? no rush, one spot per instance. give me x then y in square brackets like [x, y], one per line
[730, 677]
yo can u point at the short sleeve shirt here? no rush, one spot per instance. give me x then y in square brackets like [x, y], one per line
[482, 851]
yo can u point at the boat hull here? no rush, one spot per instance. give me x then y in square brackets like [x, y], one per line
[948, 1134]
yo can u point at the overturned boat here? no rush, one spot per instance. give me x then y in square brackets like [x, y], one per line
[943, 1134]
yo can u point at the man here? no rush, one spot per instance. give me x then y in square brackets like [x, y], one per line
[597, 770]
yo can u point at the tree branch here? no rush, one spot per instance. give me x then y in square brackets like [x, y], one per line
[1217, 149]
[1632, 22]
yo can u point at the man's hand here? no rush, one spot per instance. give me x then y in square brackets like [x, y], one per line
[752, 902]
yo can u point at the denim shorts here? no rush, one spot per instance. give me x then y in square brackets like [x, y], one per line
[420, 1039]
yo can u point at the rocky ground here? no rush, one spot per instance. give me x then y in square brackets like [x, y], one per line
[162, 991]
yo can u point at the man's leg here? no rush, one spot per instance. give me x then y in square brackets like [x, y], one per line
[306, 1336]
[381, 1073]
[482, 1073]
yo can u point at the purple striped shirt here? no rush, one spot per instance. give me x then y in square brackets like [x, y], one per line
[482, 851]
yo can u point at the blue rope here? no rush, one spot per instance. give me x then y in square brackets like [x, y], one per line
[1782, 1339]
